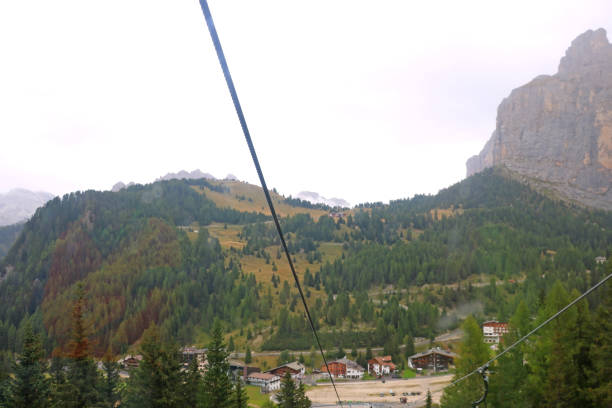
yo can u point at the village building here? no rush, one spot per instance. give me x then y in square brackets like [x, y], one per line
[600, 259]
[344, 368]
[433, 359]
[381, 366]
[267, 382]
[240, 368]
[130, 361]
[190, 353]
[493, 331]
[296, 370]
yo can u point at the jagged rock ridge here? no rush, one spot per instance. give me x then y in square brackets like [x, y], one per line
[196, 174]
[556, 131]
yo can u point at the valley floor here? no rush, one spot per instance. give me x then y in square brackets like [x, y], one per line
[370, 391]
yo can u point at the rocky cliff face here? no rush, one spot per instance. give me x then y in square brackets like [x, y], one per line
[556, 131]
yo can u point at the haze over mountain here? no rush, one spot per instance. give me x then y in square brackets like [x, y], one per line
[556, 131]
[315, 198]
[19, 204]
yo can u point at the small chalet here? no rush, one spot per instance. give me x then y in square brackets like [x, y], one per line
[296, 370]
[131, 361]
[267, 382]
[435, 358]
[344, 368]
[381, 366]
[600, 259]
[493, 331]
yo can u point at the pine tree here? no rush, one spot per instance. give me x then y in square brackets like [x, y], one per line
[29, 387]
[601, 352]
[292, 396]
[507, 385]
[193, 384]
[302, 401]
[82, 373]
[247, 356]
[157, 381]
[63, 393]
[239, 396]
[286, 396]
[109, 388]
[428, 401]
[553, 382]
[217, 388]
[473, 353]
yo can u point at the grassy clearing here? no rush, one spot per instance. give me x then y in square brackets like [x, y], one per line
[408, 373]
[227, 234]
[247, 197]
[256, 398]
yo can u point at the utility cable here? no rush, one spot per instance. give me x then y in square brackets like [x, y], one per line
[230, 84]
[522, 339]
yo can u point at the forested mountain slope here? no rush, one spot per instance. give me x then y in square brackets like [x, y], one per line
[183, 252]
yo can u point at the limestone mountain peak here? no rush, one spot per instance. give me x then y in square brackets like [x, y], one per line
[590, 51]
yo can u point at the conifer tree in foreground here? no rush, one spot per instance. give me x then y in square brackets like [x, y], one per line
[428, 400]
[29, 388]
[217, 388]
[473, 353]
[507, 386]
[193, 382]
[79, 387]
[157, 382]
[291, 396]
[600, 389]
[239, 397]
[247, 356]
[110, 383]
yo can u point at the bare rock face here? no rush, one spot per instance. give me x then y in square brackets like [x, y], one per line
[556, 131]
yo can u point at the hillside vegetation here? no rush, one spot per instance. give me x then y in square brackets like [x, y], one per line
[182, 253]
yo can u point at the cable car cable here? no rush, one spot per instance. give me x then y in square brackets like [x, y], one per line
[230, 84]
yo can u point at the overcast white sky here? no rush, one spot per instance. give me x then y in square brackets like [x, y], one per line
[363, 100]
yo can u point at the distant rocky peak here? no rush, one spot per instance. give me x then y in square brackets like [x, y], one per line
[196, 174]
[315, 198]
[556, 131]
[588, 53]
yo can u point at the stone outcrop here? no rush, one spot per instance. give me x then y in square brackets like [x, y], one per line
[556, 131]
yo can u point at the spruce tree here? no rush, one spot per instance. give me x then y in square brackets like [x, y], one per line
[82, 373]
[428, 401]
[110, 383]
[247, 356]
[600, 388]
[302, 401]
[286, 397]
[29, 387]
[157, 382]
[553, 379]
[63, 393]
[239, 396]
[193, 383]
[507, 387]
[217, 388]
[473, 353]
